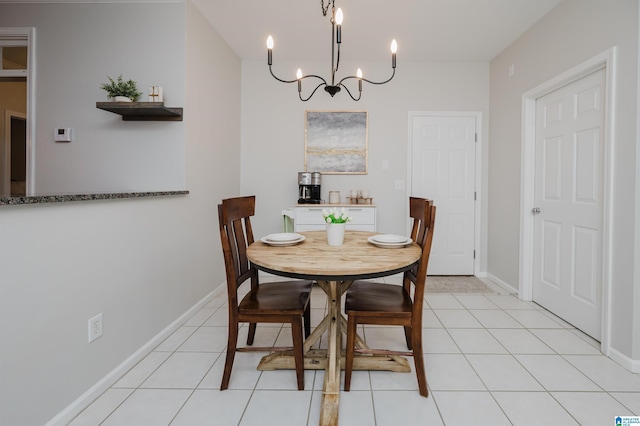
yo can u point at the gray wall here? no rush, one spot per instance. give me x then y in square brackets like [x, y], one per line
[273, 133]
[570, 34]
[77, 47]
[141, 262]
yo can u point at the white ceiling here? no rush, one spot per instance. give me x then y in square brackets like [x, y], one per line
[426, 30]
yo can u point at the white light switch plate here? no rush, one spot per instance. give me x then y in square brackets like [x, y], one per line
[62, 134]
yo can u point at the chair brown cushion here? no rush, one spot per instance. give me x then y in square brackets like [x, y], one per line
[288, 297]
[377, 299]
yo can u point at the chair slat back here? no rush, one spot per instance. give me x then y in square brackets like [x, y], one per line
[416, 212]
[236, 235]
[423, 213]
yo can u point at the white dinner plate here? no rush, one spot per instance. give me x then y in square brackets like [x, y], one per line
[389, 238]
[300, 239]
[404, 243]
[284, 236]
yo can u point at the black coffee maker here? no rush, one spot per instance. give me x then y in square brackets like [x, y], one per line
[309, 188]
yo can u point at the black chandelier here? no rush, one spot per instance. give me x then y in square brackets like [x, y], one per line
[336, 40]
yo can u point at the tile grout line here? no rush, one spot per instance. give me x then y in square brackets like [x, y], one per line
[509, 353]
[205, 374]
[372, 391]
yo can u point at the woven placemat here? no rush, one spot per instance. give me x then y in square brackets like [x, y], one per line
[455, 284]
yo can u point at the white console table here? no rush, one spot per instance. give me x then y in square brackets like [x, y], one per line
[308, 217]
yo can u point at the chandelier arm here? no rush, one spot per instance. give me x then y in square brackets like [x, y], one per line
[311, 76]
[332, 88]
[349, 91]
[314, 91]
[279, 79]
[295, 80]
[368, 81]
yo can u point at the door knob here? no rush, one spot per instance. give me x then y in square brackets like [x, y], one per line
[535, 210]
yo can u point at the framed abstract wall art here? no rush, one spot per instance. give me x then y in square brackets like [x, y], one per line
[336, 142]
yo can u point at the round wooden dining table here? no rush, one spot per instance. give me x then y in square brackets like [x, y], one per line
[334, 268]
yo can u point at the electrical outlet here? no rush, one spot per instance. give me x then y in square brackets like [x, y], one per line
[95, 327]
[399, 185]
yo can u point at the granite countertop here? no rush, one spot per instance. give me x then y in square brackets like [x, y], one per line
[44, 199]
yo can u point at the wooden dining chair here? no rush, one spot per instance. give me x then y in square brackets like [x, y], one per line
[386, 304]
[274, 302]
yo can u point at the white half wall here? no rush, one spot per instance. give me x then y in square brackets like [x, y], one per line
[141, 262]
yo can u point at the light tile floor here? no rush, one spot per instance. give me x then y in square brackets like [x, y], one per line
[491, 359]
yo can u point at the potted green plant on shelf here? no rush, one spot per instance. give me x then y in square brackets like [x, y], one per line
[120, 90]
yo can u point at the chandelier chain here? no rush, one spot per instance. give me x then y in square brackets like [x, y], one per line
[325, 9]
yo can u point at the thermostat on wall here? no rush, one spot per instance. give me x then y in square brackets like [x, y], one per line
[62, 134]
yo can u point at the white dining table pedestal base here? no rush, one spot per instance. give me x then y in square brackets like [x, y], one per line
[332, 360]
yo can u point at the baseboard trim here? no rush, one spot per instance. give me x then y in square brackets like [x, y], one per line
[502, 284]
[632, 365]
[76, 407]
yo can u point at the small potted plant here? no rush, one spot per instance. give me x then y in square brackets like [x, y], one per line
[120, 90]
[336, 223]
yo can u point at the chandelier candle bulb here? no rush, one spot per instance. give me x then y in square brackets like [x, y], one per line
[269, 50]
[394, 49]
[339, 18]
[359, 75]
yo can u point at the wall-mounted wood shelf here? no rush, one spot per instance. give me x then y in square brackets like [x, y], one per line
[142, 111]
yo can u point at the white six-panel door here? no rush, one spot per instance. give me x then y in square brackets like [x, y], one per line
[567, 260]
[443, 169]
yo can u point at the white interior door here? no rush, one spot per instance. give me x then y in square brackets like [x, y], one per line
[5, 162]
[443, 169]
[14, 161]
[567, 259]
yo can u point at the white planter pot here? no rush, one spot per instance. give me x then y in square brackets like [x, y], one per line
[121, 99]
[335, 233]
